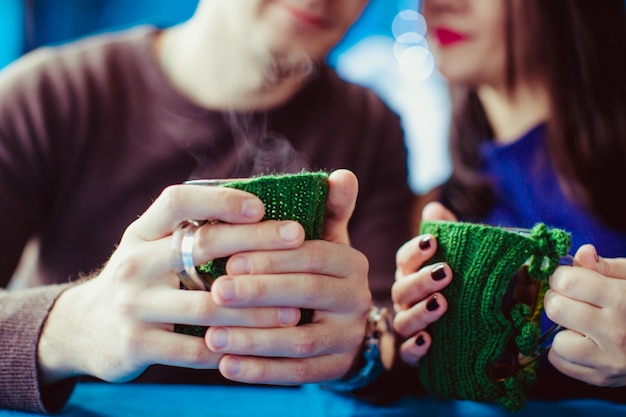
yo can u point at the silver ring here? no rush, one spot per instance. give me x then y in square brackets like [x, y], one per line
[182, 255]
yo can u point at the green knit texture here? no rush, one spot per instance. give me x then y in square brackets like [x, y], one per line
[470, 339]
[300, 197]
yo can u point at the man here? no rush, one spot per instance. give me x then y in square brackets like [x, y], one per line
[92, 132]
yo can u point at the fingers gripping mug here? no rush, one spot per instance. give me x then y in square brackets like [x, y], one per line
[300, 197]
[484, 346]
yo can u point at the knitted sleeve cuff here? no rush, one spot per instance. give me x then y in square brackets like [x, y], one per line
[22, 315]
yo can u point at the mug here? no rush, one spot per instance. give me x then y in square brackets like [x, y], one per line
[300, 197]
[484, 348]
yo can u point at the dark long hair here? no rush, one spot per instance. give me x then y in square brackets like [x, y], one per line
[579, 48]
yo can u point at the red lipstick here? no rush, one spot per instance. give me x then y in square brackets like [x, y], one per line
[446, 37]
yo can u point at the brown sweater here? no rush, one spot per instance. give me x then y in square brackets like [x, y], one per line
[91, 132]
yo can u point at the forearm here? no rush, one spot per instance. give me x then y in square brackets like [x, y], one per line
[22, 316]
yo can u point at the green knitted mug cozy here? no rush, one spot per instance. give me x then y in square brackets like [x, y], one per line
[300, 197]
[478, 329]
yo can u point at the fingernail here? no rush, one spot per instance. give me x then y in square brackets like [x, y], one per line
[424, 242]
[432, 304]
[238, 265]
[438, 272]
[226, 289]
[288, 315]
[233, 366]
[289, 231]
[219, 338]
[252, 208]
[420, 340]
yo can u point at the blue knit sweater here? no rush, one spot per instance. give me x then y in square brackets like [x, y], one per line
[527, 192]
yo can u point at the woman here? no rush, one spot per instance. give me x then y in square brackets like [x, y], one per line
[538, 134]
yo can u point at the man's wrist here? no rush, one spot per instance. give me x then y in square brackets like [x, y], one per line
[376, 355]
[56, 357]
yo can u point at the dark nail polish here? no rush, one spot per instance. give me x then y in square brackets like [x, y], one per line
[432, 304]
[420, 340]
[424, 243]
[438, 273]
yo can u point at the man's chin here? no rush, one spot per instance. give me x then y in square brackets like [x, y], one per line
[289, 64]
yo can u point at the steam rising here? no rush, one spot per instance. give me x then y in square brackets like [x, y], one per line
[261, 151]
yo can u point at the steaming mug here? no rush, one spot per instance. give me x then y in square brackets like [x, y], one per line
[484, 347]
[300, 197]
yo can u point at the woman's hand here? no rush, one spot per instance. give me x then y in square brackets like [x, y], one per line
[589, 299]
[415, 294]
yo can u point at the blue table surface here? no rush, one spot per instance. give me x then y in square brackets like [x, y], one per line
[101, 399]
